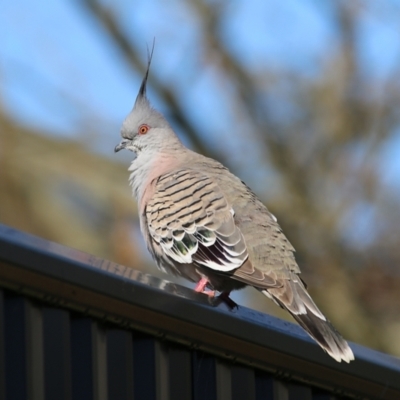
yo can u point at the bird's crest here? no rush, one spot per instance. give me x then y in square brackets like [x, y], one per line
[142, 91]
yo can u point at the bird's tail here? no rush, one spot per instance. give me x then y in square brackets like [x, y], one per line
[294, 297]
[325, 334]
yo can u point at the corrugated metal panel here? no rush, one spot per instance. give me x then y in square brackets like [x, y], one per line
[76, 327]
[54, 354]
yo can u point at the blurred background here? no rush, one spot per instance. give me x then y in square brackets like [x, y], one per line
[300, 99]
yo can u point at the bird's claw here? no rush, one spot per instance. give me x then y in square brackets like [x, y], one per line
[224, 298]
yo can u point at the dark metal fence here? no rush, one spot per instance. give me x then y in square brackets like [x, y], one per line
[73, 326]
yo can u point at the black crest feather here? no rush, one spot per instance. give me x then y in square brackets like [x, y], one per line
[142, 90]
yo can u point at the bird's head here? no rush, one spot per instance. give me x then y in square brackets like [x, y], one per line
[145, 128]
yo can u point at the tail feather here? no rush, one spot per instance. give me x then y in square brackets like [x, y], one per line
[325, 334]
[310, 318]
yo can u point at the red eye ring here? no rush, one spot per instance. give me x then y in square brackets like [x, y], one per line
[143, 129]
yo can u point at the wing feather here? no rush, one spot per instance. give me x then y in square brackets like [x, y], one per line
[189, 217]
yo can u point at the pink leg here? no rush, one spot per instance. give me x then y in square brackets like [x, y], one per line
[201, 287]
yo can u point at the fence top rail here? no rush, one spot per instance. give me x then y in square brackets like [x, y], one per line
[69, 278]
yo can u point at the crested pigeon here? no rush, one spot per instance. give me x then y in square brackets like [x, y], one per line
[203, 223]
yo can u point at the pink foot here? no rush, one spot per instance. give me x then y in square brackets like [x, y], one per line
[210, 293]
[201, 287]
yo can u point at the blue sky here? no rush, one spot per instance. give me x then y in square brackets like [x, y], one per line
[59, 72]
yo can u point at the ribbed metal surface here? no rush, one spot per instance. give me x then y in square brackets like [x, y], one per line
[76, 327]
[50, 353]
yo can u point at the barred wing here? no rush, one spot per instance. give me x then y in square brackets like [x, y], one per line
[189, 217]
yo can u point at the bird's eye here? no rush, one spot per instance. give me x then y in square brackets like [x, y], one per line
[143, 129]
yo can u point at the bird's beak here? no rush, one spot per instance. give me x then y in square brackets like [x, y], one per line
[121, 145]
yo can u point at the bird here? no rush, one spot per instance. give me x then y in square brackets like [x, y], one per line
[202, 223]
